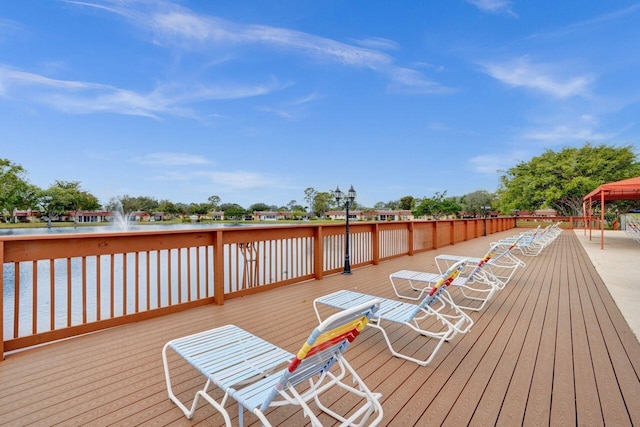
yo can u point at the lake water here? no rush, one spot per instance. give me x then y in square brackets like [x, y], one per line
[124, 285]
[113, 229]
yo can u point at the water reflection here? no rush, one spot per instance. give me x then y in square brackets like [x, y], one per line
[107, 228]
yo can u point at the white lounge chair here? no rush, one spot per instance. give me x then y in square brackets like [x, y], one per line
[436, 316]
[531, 243]
[260, 375]
[499, 263]
[471, 290]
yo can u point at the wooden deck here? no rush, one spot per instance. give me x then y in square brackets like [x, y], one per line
[551, 348]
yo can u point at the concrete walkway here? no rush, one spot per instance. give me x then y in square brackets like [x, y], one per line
[618, 264]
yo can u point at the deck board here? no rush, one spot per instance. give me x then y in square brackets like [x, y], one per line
[551, 348]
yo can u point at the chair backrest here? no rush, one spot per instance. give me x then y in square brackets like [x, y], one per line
[325, 345]
[491, 254]
[486, 258]
[445, 280]
[533, 233]
[515, 242]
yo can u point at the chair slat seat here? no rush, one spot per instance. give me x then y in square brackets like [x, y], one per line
[391, 310]
[229, 355]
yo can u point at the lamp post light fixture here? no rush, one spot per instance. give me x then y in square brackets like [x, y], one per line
[347, 199]
[485, 212]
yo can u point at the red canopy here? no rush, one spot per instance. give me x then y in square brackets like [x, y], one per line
[627, 189]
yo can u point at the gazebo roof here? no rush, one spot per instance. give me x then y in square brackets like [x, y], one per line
[627, 189]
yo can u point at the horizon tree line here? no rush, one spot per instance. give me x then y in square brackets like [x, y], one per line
[555, 180]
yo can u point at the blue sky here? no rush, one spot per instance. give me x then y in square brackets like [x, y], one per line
[254, 101]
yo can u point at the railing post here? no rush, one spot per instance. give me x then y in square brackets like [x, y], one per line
[375, 244]
[434, 233]
[318, 253]
[218, 268]
[452, 236]
[411, 249]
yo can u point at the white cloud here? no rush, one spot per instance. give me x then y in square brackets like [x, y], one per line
[10, 76]
[9, 29]
[494, 6]
[539, 77]
[494, 163]
[488, 163]
[80, 97]
[171, 159]
[570, 129]
[590, 24]
[170, 176]
[277, 111]
[564, 133]
[181, 26]
[408, 80]
[436, 68]
[305, 100]
[378, 43]
[175, 25]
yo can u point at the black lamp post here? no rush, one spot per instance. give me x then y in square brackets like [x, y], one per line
[485, 211]
[347, 199]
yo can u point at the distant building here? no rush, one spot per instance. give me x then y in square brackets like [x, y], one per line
[342, 215]
[271, 215]
[545, 212]
[390, 215]
[89, 216]
[25, 216]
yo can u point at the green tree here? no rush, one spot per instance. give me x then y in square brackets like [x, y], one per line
[472, 203]
[73, 197]
[292, 205]
[309, 197]
[437, 206]
[233, 211]
[392, 205]
[181, 208]
[322, 203]
[15, 191]
[214, 202]
[167, 207]
[133, 204]
[407, 203]
[293, 208]
[450, 206]
[199, 208]
[259, 207]
[52, 202]
[426, 207]
[559, 180]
